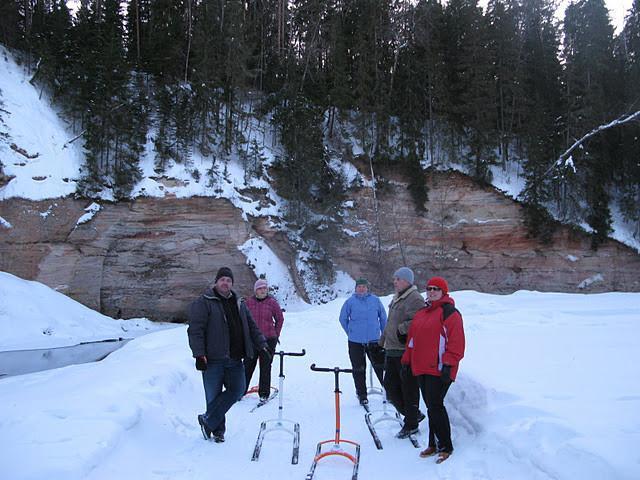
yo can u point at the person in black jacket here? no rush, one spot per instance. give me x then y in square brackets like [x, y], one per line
[221, 334]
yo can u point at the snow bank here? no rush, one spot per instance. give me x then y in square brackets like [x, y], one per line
[546, 390]
[34, 316]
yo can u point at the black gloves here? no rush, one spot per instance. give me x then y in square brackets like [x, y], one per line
[445, 375]
[265, 355]
[201, 363]
[405, 371]
[401, 336]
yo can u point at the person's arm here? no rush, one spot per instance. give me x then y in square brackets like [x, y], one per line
[382, 316]
[197, 328]
[414, 303]
[345, 313]
[455, 344]
[257, 338]
[279, 317]
[408, 351]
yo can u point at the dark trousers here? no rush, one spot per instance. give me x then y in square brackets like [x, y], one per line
[433, 392]
[221, 373]
[402, 391]
[357, 354]
[264, 385]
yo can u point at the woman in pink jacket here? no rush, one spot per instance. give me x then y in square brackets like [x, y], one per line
[268, 316]
[435, 346]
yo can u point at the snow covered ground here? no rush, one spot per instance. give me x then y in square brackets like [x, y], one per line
[548, 390]
[34, 316]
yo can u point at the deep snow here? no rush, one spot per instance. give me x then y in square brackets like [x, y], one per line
[548, 389]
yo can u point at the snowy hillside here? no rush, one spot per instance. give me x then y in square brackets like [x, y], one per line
[36, 152]
[44, 163]
[547, 390]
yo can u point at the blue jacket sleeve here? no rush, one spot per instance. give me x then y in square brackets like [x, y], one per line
[345, 312]
[382, 315]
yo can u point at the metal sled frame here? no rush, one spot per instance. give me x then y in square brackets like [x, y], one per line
[385, 417]
[373, 390]
[280, 424]
[337, 442]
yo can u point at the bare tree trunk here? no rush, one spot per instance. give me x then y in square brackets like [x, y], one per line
[189, 20]
[137, 32]
[376, 209]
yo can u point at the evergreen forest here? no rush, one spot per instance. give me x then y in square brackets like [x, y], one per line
[421, 84]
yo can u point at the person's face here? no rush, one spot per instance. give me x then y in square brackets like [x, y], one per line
[434, 293]
[361, 289]
[400, 284]
[223, 285]
[261, 292]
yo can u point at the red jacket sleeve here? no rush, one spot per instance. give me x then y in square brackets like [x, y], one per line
[408, 351]
[454, 348]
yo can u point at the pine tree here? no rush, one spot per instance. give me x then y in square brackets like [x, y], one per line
[627, 167]
[588, 42]
[10, 34]
[299, 170]
[541, 104]
[471, 103]
[506, 51]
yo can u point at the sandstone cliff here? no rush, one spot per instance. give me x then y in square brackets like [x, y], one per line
[150, 257]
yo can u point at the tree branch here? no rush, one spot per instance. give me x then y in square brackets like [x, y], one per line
[615, 123]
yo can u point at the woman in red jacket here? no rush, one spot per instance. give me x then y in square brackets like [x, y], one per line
[435, 346]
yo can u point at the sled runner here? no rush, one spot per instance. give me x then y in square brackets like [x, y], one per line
[385, 416]
[280, 424]
[337, 443]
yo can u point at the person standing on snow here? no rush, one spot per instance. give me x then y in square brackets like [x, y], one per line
[267, 314]
[221, 333]
[435, 346]
[401, 386]
[363, 318]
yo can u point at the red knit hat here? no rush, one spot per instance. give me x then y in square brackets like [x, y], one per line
[439, 282]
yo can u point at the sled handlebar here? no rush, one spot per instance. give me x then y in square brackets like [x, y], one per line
[282, 354]
[291, 354]
[335, 369]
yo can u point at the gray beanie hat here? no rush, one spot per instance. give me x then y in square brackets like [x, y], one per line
[405, 273]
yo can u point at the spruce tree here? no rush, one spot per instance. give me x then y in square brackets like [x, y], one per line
[588, 52]
[541, 107]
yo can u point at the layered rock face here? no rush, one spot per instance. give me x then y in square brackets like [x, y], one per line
[151, 257]
[146, 258]
[476, 239]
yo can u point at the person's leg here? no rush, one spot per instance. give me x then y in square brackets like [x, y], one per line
[424, 388]
[376, 357]
[358, 365]
[249, 368]
[234, 382]
[392, 383]
[265, 369]
[212, 379]
[411, 400]
[434, 393]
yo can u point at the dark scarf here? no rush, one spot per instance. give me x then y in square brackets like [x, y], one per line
[234, 323]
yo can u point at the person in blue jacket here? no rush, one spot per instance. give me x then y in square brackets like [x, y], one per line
[363, 318]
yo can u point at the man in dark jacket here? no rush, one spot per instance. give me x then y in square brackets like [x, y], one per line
[221, 333]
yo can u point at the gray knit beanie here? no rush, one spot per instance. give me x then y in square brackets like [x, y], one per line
[405, 273]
